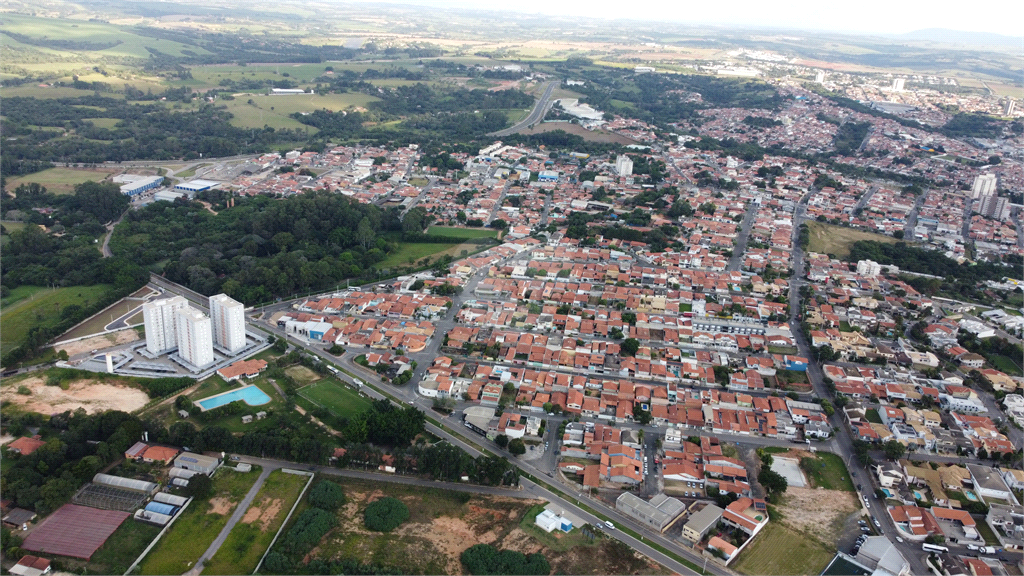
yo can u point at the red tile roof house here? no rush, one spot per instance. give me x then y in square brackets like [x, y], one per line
[25, 445]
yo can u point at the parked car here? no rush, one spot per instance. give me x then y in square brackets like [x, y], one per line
[877, 525]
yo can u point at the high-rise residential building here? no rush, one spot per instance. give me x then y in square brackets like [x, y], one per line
[623, 166]
[868, 268]
[228, 318]
[993, 206]
[161, 326]
[195, 337]
[819, 78]
[1009, 107]
[897, 84]
[984, 185]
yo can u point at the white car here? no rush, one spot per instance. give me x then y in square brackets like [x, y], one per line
[900, 540]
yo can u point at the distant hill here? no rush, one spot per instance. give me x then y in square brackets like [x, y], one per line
[947, 36]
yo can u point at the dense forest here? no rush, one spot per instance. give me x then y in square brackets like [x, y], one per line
[262, 247]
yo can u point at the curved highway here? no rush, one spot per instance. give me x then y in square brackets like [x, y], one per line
[535, 116]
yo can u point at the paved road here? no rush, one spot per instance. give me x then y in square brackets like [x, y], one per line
[105, 249]
[535, 116]
[736, 261]
[908, 230]
[864, 199]
[240, 510]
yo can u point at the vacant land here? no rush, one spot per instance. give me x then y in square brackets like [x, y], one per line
[462, 232]
[123, 547]
[276, 111]
[336, 397]
[102, 341]
[29, 306]
[591, 135]
[418, 251]
[250, 538]
[817, 512]
[90, 395]
[829, 239]
[444, 523]
[779, 549]
[828, 472]
[196, 528]
[98, 322]
[1005, 364]
[301, 374]
[61, 180]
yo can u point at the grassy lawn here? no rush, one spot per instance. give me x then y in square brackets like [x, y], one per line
[782, 550]
[1005, 364]
[99, 321]
[276, 111]
[336, 397]
[123, 547]
[463, 232]
[686, 307]
[191, 171]
[783, 349]
[830, 473]
[60, 180]
[829, 239]
[844, 326]
[197, 526]
[233, 423]
[250, 538]
[872, 416]
[986, 532]
[29, 306]
[418, 251]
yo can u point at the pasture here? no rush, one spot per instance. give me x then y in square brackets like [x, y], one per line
[61, 180]
[276, 111]
[30, 306]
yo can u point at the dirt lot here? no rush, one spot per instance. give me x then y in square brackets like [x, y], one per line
[301, 374]
[99, 342]
[444, 524]
[592, 135]
[816, 511]
[93, 397]
[264, 513]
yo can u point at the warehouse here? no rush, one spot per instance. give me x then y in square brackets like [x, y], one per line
[135, 185]
[198, 462]
[660, 513]
[193, 186]
[701, 523]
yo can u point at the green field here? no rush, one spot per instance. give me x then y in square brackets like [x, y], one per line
[830, 473]
[60, 180]
[829, 239]
[871, 415]
[29, 306]
[276, 111]
[463, 232]
[1004, 364]
[196, 528]
[782, 550]
[337, 397]
[123, 547]
[248, 540]
[416, 251]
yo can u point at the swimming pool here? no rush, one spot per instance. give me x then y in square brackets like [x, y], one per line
[919, 495]
[888, 493]
[970, 496]
[251, 395]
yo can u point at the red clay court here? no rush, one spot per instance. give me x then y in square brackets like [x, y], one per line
[76, 531]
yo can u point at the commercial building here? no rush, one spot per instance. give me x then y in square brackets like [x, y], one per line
[135, 185]
[193, 186]
[161, 328]
[984, 185]
[196, 463]
[228, 318]
[660, 513]
[699, 524]
[623, 166]
[195, 337]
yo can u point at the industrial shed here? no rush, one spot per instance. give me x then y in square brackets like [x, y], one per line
[125, 483]
[197, 462]
[660, 513]
[170, 499]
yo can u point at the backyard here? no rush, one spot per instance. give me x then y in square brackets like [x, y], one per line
[199, 524]
[251, 537]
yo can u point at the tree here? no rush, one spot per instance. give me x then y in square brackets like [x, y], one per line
[827, 407]
[894, 450]
[641, 416]
[630, 346]
[200, 486]
[772, 481]
[501, 440]
[327, 495]
[517, 447]
[385, 514]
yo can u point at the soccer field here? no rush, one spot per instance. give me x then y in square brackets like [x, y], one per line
[336, 397]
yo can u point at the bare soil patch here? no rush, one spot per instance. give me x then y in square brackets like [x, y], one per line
[99, 342]
[818, 512]
[89, 395]
[264, 513]
[220, 505]
[592, 135]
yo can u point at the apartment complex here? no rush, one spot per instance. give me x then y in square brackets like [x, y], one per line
[228, 318]
[161, 326]
[195, 337]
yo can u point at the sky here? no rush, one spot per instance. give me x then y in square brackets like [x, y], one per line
[862, 16]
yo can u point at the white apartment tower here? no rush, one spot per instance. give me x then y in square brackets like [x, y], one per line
[819, 78]
[868, 268]
[623, 166]
[897, 84]
[228, 317]
[161, 327]
[984, 185]
[195, 337]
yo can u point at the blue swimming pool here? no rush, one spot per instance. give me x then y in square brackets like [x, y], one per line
[251, 395]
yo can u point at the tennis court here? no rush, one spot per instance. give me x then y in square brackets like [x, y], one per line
[75, 531]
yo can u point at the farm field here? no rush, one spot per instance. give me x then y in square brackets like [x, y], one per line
[591, 135]
[463, 232]
[275, 111]
[60, 180]
[444, 523]
[829, 239]
[336, 397]
[29, 306]
[781, 550]
[199, 524]
[251, 537]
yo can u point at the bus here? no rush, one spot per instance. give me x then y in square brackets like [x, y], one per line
[934, 548]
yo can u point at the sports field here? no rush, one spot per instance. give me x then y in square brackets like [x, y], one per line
[60, 180]
[778, 549]
[829, 239]
[336, 397]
